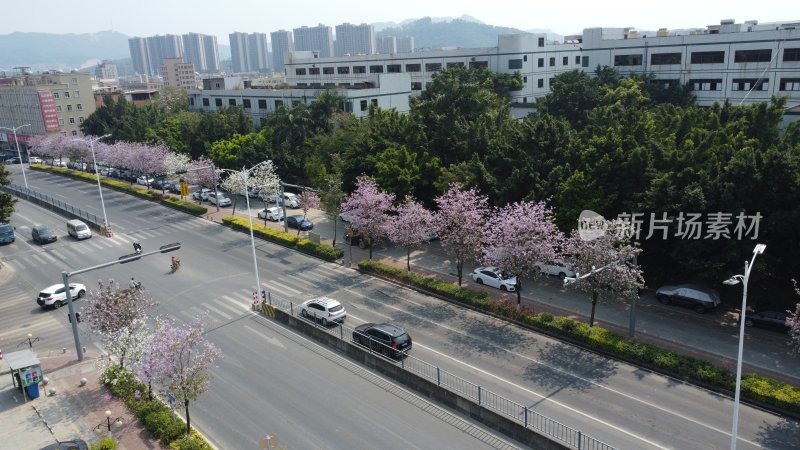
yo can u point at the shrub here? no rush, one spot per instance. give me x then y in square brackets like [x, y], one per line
[290, 240]
[104, 444]
[183, 205]
[194, 442]
[164, 424]
[321, 251]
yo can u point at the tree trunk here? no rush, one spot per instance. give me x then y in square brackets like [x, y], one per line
[370, 249]
[335, 220]
[408, 259]
[594, 305]
[188, 421]
[233, 213]
[519, 300]
[459, 269]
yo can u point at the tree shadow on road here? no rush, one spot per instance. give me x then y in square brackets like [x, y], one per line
[479, 337]
[783, 435]
[564, 367]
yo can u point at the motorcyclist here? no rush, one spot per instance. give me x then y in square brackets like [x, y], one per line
[176, 263]
[137, 247]
[135, 284]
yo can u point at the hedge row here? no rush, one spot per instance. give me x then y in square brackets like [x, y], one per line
[323, 251]
[162, 423]
[138, 191]
[753, 387]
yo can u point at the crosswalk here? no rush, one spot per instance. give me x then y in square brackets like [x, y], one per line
[20, 315]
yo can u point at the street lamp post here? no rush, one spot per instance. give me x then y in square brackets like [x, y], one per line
[106, 225]
[736, 279]
[19, 154]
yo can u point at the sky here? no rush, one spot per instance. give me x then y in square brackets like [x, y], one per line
[151, 17]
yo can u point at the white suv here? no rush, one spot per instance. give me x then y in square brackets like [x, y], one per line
[555, 268]
[55, 296]
[324, 309]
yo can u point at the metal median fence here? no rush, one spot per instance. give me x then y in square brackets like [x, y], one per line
[466, 389]
[53, 204]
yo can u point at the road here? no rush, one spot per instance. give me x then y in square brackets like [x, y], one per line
[613, 402]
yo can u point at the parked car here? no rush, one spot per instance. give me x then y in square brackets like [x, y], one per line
[273, 213]
[109, 172]
[201, 194]
[55, 296]
[494, 277]
[346, 217]
[252, 193]
[7, 235]
[324, 309]
[76, 165]
[144, 180]
[555, 268]
[385, 338]
[290, 199]
[220, 198]
[772, 319]
[690, 295]
[14, 160]
[299, 222]
[35, 160]
[175, 188]
[161, 184]
[43, 235]
[76, 444]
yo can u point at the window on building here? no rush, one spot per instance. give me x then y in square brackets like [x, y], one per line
[659, 59]
[295, 103]
[343, 70]
[206, 102]
[577, 60]
[191, 101]
[748, 56]
[246, 103]
[450, 65]
[565, 61]
[327, 70]
[524, 99]
[374, 102]
[584, 61]
[550, 81]
[376, 69]
[313, 70]
[300, 71]
[552, 61]
[393, 68]
[80, 119]
[433, 67]
[66, 94]
[218, 102]
[706, 84]
[56, 95]
[72, 120]
[74, 132]
[69, 107]
[278, 103]
[413, 68]
[231, 102]
[363, 105]
[540, 83]
[79, 107]
[76, 94]
[628, 60]
[524, 80]
[745, 84]
[73, 81]
[791, 54]
[708, 58]
[61, 121]
[58, 108]
[540, 62]
[478, 64]
[541, 42]
[790, 84]
[262, 104]
[514, 64]
[359, 69]
[416, 86]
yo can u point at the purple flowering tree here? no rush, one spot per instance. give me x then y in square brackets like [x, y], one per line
[179, 359]
[460, 222]
[369, 209]
[308, 200]
[118, 316]
[411, 228]
[521, 234]
[610, 263]
[203, 175]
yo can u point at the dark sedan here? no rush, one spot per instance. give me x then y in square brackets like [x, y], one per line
[299, 222]
[43, 235]
[772, 319]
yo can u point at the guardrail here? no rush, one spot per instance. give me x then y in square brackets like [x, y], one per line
[514, 411]
[54, 204]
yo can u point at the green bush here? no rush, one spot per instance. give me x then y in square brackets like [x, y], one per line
[185, 206]
[105, 444]
[194, 442]
[166, 425]
[321, 251]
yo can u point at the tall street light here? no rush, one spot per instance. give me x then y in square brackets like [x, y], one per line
[736, 279]
[106, 225]
[14, 129]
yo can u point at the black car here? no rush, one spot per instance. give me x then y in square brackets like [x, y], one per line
[772, 319]
[43, 235]
[161, 184]
[689, 295]
[299, 222]
[384, 338]
[77, 444]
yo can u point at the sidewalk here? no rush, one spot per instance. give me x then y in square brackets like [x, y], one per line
[73, 412]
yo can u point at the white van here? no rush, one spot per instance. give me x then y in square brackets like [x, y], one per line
[78, 229]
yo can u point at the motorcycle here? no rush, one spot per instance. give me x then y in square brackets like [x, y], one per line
[175, 265]
[137, 247]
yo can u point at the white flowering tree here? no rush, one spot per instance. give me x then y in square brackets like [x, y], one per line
[261, 178]
[118, 316]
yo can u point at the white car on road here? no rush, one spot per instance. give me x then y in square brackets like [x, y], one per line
[274, 213]
[555, 268]
[55, 296]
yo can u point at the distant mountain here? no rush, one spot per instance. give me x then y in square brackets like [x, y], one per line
[430, 34]
[380, 26]
[42, 51]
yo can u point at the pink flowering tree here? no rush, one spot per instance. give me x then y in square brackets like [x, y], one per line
[179, 359]
[610, 263]
[118, 316]
[308, 200]
[200, 173]
[369, 209]
[50, 147]
[460, 223]
[521, 234]
[411, 228]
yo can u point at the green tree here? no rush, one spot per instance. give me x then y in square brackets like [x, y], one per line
[6, 200]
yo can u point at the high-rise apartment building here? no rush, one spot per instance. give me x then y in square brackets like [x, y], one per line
[249, 52]
[282, 44]
[177, 73]
[106, 70]
[405, 44]
[139, 55]
[148, 53]
[354, 39]
[201, 50]
[319, 38]
[386, 45]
